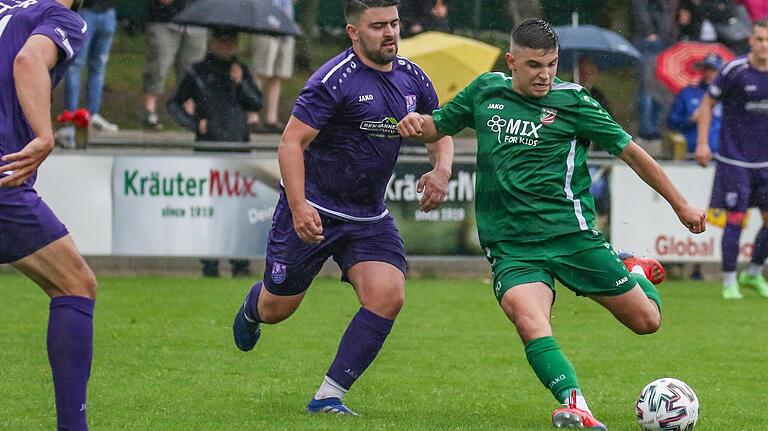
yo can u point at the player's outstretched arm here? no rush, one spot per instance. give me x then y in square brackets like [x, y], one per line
[434, 184]
[419, 127]
[296, 138]
[649, 171]
[33, 87]
[704, 119]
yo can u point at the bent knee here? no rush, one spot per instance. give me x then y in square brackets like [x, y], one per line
[646, 325]
[387, 305]
[81, 283]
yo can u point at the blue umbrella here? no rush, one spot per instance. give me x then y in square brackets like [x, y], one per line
[607, 49]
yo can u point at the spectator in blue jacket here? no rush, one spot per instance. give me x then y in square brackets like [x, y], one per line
[684, 114]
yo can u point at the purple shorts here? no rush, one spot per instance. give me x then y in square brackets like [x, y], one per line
[737, 189]
[292, 264]
[26, 223]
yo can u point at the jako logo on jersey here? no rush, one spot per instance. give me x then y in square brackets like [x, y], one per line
[365, 98]
[497, 106]
[386, 128]
[515, 131]
[621, 281]
[278, 272]
[548, 115]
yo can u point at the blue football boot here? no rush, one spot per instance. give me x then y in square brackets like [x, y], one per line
[329, 405]
[245, 330]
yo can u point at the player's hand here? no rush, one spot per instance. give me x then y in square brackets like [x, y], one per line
[24, 163]
[703, 154]
[433, 185]
[693, 218]
[411, 125]
[307, 224]
[236, 73]
[202, 127]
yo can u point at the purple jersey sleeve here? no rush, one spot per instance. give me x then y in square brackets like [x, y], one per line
[315, 104]
[67, 31]
[428, 101]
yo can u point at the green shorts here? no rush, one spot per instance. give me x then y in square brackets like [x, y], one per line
[582, 261]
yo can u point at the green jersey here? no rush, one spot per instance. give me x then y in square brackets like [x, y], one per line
[532, 178]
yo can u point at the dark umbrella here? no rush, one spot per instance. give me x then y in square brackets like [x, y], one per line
[250, 16]
[609, 50]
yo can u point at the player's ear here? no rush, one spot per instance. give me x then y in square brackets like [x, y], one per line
[510, 59]
[352, 32]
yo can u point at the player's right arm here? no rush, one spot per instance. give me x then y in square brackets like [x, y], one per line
[296, 138]
[31, 74]
[704, 114]
[419, 127]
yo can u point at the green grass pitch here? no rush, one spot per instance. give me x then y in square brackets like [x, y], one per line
[164, 359]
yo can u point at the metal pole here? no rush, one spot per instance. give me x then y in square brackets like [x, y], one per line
[476, 17]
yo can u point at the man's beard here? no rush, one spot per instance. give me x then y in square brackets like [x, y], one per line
[376, 55]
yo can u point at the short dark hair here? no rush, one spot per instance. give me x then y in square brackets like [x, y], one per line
[535, 33]
[761, 23]
[353, 9]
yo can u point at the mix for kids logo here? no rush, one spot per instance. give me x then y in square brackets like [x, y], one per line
[515, 131]
[219, 182]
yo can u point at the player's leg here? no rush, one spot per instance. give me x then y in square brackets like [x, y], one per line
[63, 274]
[523, 284]
[753, 275]
[290, 267]
[373, 261]
[731, 191]
[529, 306]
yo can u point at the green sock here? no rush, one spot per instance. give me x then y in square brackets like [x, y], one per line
[552, 367]
[648, 288]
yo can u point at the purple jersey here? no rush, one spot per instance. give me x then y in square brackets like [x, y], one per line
[356, 110]
[743, 91]
[18, 21]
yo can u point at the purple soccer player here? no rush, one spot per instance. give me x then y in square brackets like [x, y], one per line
[741, 176]
[39, 40]
[336, 156]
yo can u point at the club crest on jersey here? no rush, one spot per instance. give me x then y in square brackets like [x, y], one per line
[548, 115]
[410, 103]
[279, 271]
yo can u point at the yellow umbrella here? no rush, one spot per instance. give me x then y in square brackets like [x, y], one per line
[451, 61]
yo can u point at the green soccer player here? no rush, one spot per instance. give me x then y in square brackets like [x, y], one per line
[535, 214]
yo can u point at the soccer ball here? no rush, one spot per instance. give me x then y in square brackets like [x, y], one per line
[667, 404]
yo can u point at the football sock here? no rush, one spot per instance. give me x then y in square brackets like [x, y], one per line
[648, 288]
[330, 389]
[252, 302]
[730, 246]
[70, 350]
[754, 269]
[729, 278]
[551, 366]
[761, 249]
[359, 346]
[574, 396]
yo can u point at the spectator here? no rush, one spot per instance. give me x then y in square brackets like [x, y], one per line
[101, 19]
[715, 21]
[168, 44]
[589, 74]
[423, 15]
[684, 114]
[272, 60]
[223, 92]
[652, 27]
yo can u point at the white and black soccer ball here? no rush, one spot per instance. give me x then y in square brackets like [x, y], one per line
[667, 405]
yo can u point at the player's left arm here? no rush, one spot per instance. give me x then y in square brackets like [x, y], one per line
[434, 184]
[649, 171]
[31, 73]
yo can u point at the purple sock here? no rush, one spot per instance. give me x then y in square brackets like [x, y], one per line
[760, 252]
[730, 246]
[252, 301]
[359, 346]
[70, 349]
